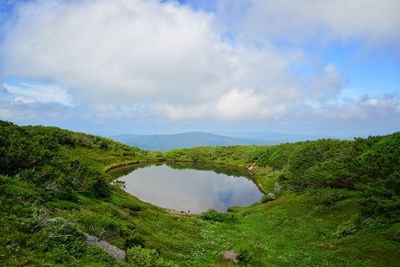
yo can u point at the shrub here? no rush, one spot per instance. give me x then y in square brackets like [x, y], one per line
[101, 188]
[266, 198]
[135, 241]
[64, 241]
[346, 228]
[142, 256]
[393, 232]
[213, 215]
[132, 206]
[146, 257]
[329, 196]
[244, 256]
[276, 156]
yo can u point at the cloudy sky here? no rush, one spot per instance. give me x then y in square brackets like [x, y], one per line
[146, 66]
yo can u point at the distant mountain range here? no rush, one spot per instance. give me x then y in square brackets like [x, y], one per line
[270, 138]
[165, 142]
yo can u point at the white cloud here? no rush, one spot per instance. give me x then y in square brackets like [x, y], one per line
[129, 52]
[239, 104]
[373, 20]
[367, 108]
[381, 102]
[326, 84]
[116, 50]
[116, 55]
[32, 93]
[235, 105]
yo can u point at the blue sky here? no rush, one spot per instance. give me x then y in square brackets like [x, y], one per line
[111, 67]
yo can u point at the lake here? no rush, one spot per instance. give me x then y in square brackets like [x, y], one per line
[191, 188]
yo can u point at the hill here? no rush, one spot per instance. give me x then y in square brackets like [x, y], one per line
[327, 202]
[271, 138]
[160, 142]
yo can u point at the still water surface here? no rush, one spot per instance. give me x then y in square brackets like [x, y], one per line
[191, 190]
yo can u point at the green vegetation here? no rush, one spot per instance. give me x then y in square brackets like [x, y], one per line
[337, 203]
[213, 215]
[140, 256]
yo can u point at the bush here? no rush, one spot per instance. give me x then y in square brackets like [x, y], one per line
[41, 155]
[276, 156]
[135, 241]
[244, 256]
[147, 257]
[64, 241]
[132, 206]
[393, 232]
[142, 256]
[266, 198]
[346, 228]
[329, 196]
[213, 215]
[66, 194]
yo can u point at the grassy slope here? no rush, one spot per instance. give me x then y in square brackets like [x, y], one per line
[300, 228]
[319, 224]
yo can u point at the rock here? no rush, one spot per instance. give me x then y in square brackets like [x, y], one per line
[277, 187]
[112, 250]
[271, 196]
[229, 255]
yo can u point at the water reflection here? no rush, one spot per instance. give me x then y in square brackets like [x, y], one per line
[196, 189]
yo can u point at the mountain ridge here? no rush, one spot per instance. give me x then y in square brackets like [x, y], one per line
[165, 142]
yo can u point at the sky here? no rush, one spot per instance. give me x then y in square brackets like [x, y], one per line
[109, 67]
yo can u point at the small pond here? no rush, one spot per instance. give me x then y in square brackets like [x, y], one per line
[191, 188]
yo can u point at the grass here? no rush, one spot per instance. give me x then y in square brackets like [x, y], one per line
[290, 231]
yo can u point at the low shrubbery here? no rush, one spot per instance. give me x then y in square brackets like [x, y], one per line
[213, 215]
[266, 198]
[244, 257]
[41, 155]
[146, 257]
[329, 197]
[346, 228]
[368, 169]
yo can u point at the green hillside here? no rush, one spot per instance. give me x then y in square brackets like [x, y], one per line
[337, 204]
